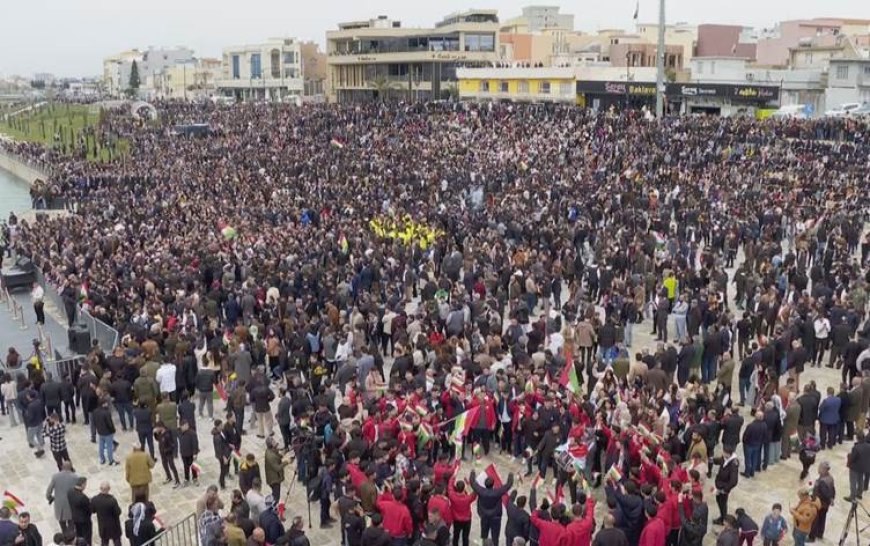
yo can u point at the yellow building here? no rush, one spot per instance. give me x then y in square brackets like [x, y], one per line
[518, 84]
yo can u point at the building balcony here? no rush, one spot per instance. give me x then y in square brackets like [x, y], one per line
[413, 57]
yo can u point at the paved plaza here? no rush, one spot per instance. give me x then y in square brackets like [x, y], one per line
[27, 477]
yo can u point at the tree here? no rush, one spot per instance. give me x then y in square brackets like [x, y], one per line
[133, 83]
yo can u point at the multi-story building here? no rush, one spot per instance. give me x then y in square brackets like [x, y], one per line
[680, 34]
[773, 49]
[379, 59]
[271, 70]
[190, 80]
[726, 41]
[517, 84]
[848, 81]
[314, 73]
[151, 64]
[116, 71]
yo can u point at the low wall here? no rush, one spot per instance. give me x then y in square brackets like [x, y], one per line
[20, 168]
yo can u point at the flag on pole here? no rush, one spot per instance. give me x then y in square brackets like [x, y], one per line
[569, 377]
[424, 436]
[336, 143]
[158, 524]
[237, 456]
[196, 470]
[491, 472]
[464, 423]
[12, 502]
[636, 10]
[614, 474]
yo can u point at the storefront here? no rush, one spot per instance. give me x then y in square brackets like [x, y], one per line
[720, 99]
[601, 95]
[680, 98]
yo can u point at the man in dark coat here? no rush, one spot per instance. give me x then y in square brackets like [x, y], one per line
[108, 513]
[726, 480]
[80, 505]
[518, 519]
[731, 425]
[489, 505]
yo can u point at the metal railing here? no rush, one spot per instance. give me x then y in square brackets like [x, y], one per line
[99, 330]
[66, 366]
[183, 533]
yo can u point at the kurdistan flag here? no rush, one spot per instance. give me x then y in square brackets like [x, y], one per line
[464, 423]
[569, 377]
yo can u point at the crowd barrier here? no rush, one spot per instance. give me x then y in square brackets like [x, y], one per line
[183, 533]
[99, 330]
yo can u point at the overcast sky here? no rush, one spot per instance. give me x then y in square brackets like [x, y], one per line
[70, 37]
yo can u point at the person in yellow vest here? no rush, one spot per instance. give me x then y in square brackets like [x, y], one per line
[671, 284]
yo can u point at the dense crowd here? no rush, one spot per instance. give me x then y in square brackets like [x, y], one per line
[397, 285]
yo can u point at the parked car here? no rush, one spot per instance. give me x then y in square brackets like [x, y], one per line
[843, 109]
[798, 111]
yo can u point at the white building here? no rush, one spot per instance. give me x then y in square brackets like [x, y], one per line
[151, 65]
[848, 81]
[271, 70]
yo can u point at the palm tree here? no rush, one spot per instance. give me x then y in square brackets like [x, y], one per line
[382, 87]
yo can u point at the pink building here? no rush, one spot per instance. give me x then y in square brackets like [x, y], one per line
[723, 41]
[774, 51]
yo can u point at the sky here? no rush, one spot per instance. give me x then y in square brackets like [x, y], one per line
[71, 37]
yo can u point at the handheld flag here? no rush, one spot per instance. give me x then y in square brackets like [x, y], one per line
[614, 474]
[636, 11]
[464, 423]
[12, 502]
[569, 378]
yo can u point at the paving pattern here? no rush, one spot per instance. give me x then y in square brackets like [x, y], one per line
[27, 477]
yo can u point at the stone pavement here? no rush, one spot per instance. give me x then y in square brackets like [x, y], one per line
[27, 477]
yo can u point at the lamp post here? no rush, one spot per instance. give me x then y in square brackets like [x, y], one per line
[660, 63]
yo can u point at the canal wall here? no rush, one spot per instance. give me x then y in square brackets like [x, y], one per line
[20, 167]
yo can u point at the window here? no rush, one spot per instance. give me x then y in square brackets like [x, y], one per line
[700, 67]
[255, 65]
[479, 42]
[566, 89]
[544, 88]
[289, 57]
[712, 67]
[503, 87]
[843, 72]
[867, 70]
[523, 88]
[484, 87]
[275, 63]
[235, 67]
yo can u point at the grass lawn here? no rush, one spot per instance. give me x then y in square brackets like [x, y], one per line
[44, 123]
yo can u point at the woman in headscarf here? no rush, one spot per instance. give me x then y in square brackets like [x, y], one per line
[139, 526]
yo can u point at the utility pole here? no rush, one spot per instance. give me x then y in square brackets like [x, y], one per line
[660, 63]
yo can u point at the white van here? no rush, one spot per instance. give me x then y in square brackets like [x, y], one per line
[843, 109]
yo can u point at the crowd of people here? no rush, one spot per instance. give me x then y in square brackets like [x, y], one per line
[396, 286]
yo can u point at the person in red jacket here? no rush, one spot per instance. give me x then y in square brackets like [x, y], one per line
[551, 533]
[580, 528]
[655, 532]
[439, 501]
[397, 518]
[443, 469]
[460, 508]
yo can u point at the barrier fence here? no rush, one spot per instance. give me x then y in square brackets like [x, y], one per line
[183, 533]
[99, 330]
